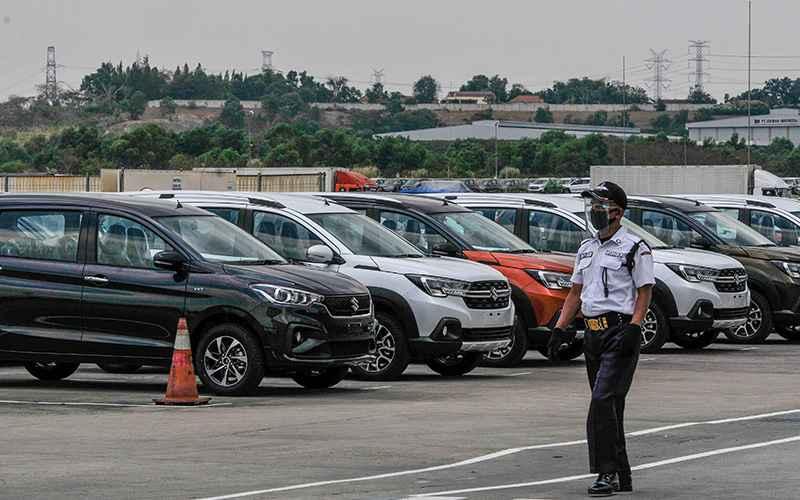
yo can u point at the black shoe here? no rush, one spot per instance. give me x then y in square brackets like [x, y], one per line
[625, 482]
[604, 486]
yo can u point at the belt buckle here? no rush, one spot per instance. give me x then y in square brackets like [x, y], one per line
[597, 324]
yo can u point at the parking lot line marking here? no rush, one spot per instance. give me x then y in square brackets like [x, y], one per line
[376, 388]
[488, 457]
[119, 405]
[748, 348]
[647, 359]
[650, 465]
[518, 374]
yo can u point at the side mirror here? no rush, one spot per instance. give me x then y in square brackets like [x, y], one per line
[319, 254]
[446, 249]
[169, 259]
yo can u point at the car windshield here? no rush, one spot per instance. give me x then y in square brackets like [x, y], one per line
[481, 233]
[729, 230]
[363, 236]
[217, 240]
[640, 232]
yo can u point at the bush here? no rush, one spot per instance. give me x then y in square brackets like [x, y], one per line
[553, 186]
[543, 115]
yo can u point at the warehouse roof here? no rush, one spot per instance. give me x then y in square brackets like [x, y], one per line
[780, 117]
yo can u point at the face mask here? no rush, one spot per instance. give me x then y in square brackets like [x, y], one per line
[599, 215]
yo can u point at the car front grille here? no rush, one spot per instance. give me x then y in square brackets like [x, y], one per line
[348, 305]
[735, 313]
[731, 281]
[488, 295]
[485, 334]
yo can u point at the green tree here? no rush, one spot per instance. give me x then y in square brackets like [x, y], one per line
[167, 107]
[232, 115]
[426, 90]
[136, 104]
[543, 115]
[699, 96]
[376, 94]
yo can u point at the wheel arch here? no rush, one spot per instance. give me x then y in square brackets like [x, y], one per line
[392, 302]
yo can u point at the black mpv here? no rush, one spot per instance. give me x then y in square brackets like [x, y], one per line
[101, 280]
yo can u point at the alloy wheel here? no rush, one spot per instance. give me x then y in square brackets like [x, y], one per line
[755, 318]
[225, 361]
[385, 351]
[649, 328]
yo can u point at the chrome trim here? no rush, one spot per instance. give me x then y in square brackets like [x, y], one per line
[95, 279]
[729, 323]
[331, 361]
[487, 294]
[370, 313]
[484, 345]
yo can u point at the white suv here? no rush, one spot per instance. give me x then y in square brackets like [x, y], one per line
[445, 312]
[697, 293]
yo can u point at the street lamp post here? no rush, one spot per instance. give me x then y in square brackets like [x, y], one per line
[496, 163]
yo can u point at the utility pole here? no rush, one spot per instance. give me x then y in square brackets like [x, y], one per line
[659, 64]
[749, 86]
[266, 60]
[51, 83]
[377, 76]
[496, 159]
[624, 115]
[699, 47]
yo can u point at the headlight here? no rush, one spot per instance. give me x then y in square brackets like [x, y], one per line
[287, 296]
[439, 287]
[694, 274]
[790, 268]
[553, 281]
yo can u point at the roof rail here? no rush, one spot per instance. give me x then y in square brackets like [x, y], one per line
[224, 198]
[763, 204]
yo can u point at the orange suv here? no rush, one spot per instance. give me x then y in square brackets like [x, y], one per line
[439, 227]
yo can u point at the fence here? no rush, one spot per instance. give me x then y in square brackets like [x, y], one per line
[284, 183]
[50, 183]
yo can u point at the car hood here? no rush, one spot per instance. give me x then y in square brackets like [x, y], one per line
[303, 277]
[546, 262]
[791, 254]
[444, 267]
[695, 258]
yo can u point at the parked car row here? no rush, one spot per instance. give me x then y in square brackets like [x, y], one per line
[503, 185]
[318, 285]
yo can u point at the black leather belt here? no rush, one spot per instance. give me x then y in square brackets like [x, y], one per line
[605, 321]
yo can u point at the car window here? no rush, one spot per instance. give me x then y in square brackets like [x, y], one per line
[731, 212]
[44, 235]
[126, 243]
[776, 228]
[550, 232]
[229, 214]
[669, 229]
[506, 217]
[290, 239]
[420, 234]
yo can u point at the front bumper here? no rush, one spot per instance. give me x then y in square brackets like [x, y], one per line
[313, 338]
[704, 316]
[449, 338]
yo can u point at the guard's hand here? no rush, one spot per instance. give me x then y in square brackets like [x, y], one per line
[558, 340]
[631, 340]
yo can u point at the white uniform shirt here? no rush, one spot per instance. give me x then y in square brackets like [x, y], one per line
[594, 256]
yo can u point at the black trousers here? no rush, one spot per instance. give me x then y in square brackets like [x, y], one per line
[610, 377]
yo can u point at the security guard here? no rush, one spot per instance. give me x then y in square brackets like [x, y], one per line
[612, 286]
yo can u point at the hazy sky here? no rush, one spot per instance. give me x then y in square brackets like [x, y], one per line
[532, 42]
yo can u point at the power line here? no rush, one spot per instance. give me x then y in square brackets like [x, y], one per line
[699, 47]
[50, 81]
[659, 64]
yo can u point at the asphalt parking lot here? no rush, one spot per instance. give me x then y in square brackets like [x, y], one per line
[719, 423]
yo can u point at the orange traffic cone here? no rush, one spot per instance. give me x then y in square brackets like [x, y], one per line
[182, 385]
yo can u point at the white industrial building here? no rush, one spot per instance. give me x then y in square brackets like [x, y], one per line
[507, 131]
[783, 122]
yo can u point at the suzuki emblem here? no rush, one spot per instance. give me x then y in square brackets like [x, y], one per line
[354, 304]
[493, 293]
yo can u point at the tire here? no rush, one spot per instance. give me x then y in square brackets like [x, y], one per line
[574, 350]
[391, 357]
[229, 360]
[119, 367]
[320, 379]
[455, 365]
[51, 371]
[696, 340]
[513, 354]
[655, 329]
[790, 333]
[759, 322]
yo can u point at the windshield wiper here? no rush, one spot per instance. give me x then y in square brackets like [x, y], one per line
[521, 250]
[407, 256]
[264, 262]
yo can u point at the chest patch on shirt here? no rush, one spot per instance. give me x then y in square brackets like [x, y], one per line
[612, 253]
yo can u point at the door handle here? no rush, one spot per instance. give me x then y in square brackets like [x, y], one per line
[99, 280]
